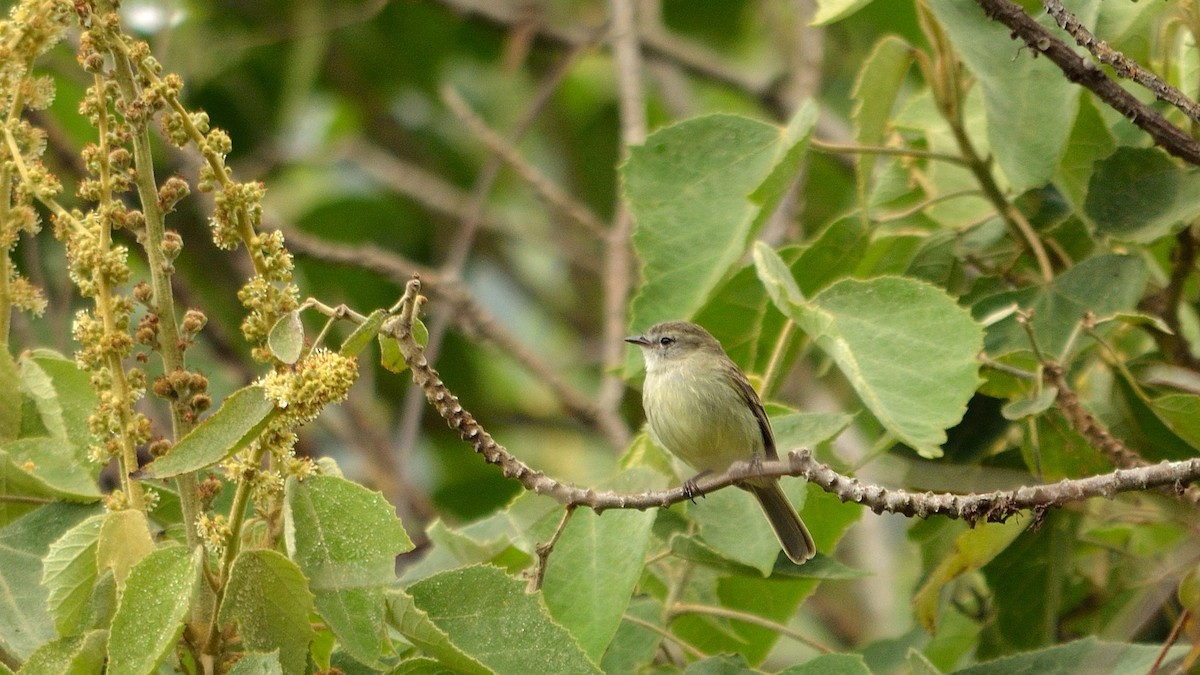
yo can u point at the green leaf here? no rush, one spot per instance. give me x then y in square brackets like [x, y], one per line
[732, 523]
[69, 572]
[390, 356]
[416, 626]
[1028, 579]
[612, 546]
[10, 406]
[286, 339]
[269, 598]
[634, 644]
[1106, 657]
[837, 251]
[1103, 285]
[363, 333]
[485, 612]
[906, 347]
[875, 91]
[776, 277]
[819, 567]
[1090, 141]
[723, 664]
[73, 655]
[124, 540]
[345, 539]
[972, 550]
[149, 619]
[1030, 105]
[74, 398]
[254, 663]
[239, 420]
[1181, 414]
[25, 621]
[1140, 195]
[844, 664]
[832, 11]
[1030, 407]
[53, 466]
[807, 429]
[37, 385]
[690, 187]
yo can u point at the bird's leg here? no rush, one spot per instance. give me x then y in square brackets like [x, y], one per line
[690, 488]
[756, 462]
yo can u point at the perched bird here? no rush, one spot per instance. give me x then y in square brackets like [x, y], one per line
[702, 409]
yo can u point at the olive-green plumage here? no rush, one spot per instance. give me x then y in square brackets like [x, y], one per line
[701, 408]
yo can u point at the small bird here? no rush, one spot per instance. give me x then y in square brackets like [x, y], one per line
[701, 408]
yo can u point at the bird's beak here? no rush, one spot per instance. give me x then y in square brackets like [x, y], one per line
[639, 340]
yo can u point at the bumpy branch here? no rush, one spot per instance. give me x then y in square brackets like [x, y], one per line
[992, 506]
[1084, 71]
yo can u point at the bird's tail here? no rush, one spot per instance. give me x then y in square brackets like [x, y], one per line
[793, 536]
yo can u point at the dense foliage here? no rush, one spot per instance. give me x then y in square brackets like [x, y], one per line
[953, 244]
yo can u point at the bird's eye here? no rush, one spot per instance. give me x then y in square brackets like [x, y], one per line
[666, 341]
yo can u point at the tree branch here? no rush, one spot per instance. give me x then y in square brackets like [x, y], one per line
[991, 507]
[1123, 65]
[1084, 71]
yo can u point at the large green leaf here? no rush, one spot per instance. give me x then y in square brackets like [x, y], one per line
[416, 627]
[10, 405]
[1028, 580]
[611, 546]
[1140, 195]
[53, 466]
[972, 550]
[63, 396]
[149, 620]
[1030, 105]
[345, 538]
[268, 597]
[485, 612]
[875, 92]
[1090, 140]
[69, 573]
[124, 541]
[25, 621]
[234, 425]
[906, 347]
[698, 189]
[81, 654]
[1088, 655]
[1102, 285]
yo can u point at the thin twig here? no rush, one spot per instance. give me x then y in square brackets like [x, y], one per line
[637, 621]
[725, 613]
[658, 44]
[465, 237]
[829, 147]
[558, 198]
[1121, 64]
[473, 319]
[544, 550]
[618, 258]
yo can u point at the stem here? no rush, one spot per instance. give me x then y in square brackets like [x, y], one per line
[237, 517]
[724, 613]
[104, 307]
[776, 363]
[170, 348]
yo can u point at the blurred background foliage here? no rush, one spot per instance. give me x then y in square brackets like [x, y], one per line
[341, 109]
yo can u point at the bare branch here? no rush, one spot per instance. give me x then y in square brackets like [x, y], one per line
[1123, 65]
[1084, 71]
